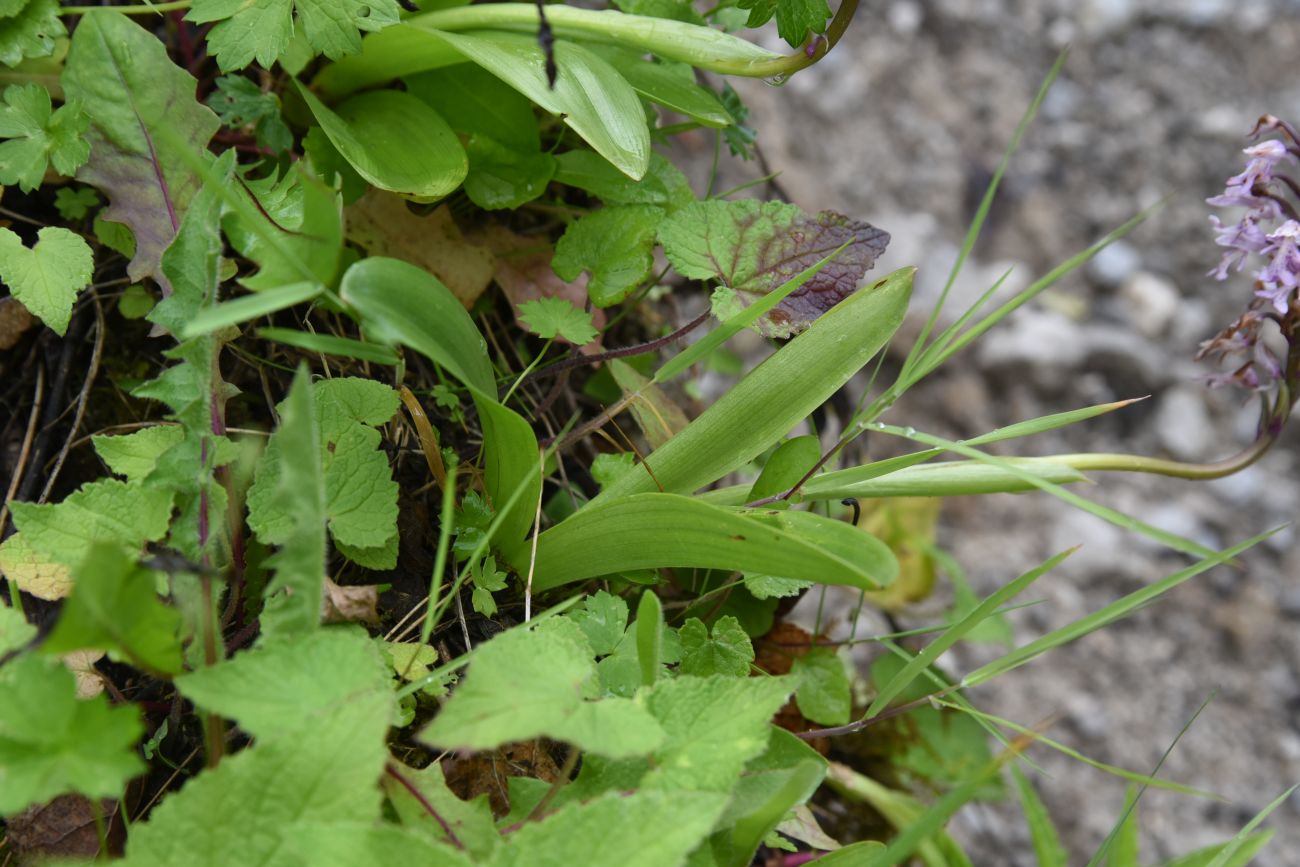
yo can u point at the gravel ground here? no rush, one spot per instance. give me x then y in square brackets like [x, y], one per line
[903, 125]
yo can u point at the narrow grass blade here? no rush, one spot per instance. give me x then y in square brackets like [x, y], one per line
[1120, 608]
[1224, 858]
[940, 645]
[1047, 842]
[1243, 855]
[250, 307]
[724, 332]
[329, 344]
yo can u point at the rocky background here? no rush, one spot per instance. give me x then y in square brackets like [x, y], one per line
[903, 125]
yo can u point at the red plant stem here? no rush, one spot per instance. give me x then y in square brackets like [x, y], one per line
[424, 802]
[623, 352]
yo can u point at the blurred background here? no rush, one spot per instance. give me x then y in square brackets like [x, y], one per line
[903, 125]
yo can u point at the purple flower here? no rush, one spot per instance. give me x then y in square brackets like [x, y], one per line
[1257, 367]
[1278, 281]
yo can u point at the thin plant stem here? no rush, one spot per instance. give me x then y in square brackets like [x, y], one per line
[146, 9]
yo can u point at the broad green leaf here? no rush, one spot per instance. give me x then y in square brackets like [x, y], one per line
[615, 245]
[123, 79]
[32, 571]
[1047, 843]
[726, 651]
[652, 829]
[474, 101]
[15, 631]
[114, 607]
[39, 135]
[127, 515]
[360, 494]
[136, 455]
[30, 31]
[773, 586]
[648, 531]
[289, 687]
[525, 684]
[47, 277]
[347, 844]
[75, 203]
[776, 395]
[603, 619]
[785, 775]
[594, 100]
[669, 84]
[395, 141]
[326, 773]
[293, 596]
[399, 303]
[388, 54]
[470, 821]
[304, 217]
[240, 103]
[754, 247]
[557, 317]
[787, 466]
[663, 184]
[501, 177]
[714, 725]
[675, 10]
[823, 692]
[52, 743]
[262, 30]
[343, 401]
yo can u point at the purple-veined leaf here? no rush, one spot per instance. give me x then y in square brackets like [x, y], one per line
[754, 247]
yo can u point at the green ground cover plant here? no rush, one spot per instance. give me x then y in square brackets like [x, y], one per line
[382, 524]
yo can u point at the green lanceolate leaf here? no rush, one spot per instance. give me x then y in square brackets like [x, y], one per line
[649, 636]
[475, 102]
[261, 30]
[595, 101]
[39, 135]
[647, 531]
[669, 84]
[775, 396]
[391, 53]
[754, 247]
[531, 683]
[395, 141]
[123, 79]
[52, 743]
[47, 277]
[663, 183]
[115, 608]
[615, 245]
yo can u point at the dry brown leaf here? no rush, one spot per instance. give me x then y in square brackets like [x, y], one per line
[352, 604]
[62, 828]
[14, 321]
[81, 663]
[523, 272]
[383, 225]
[32, 572]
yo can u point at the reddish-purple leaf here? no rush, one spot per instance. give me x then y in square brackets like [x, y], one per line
[754, 247]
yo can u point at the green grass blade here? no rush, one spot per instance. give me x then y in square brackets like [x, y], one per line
[250, 307]
[1242, 856]
[1240, 840]
[987, 608]
[1120, 608]
[329, 344]
[1043, 834]
[982, 212]
[746, 317]
[649, 636]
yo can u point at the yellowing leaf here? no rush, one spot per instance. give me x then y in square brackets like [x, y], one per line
[32, 571]
[350, 604]
[382, 224]
[82, 665]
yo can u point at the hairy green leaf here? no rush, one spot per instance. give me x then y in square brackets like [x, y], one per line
[47, 277]
[615, 245]
[31, 31]
[127, 515]
[52, 743]
[240, 103]
[726, 651]
[114, 607]
[39, 135]
[557, 317]
[823, 693]
[603, 619]
[123, 79]
[307, 221]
